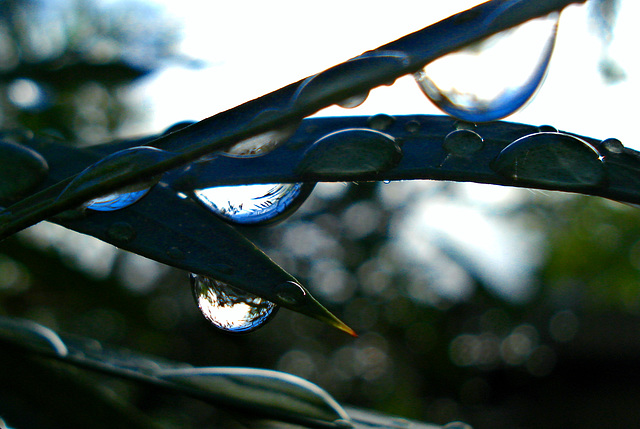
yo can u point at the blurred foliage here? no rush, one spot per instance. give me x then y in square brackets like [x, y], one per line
[436, 343]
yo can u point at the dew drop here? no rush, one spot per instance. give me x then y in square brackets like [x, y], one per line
[228, 308]
[353, 102]
[494, 77]
[351, 151]
[262, 143]
[116, 201]
[613, 145]
[463, 142]
[253, 204]
[551, 160]
[118, 163]
[381, 122]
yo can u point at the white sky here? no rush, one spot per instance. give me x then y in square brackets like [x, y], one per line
[255, 47]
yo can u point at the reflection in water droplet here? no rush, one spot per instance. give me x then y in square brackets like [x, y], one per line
[492, 78]
[351, 151]
[551, 159]
[229, 308]
[262, 143]
[116, 201]
[613, 145]
[354, 101]
[251, 204]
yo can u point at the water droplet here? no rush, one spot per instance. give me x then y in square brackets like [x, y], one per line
[551, 160]
[116, 201]
[262, 143]
[494, 77]
[612, 145]
[353, 151]
[457, 425]
[412, 126]
[547, 129]
[354, 101]
[252, 204]
[381, 122]
[291, 293]
[463, 142]
[121, 232]
[228, 308]
[177, 127]
[121, 162]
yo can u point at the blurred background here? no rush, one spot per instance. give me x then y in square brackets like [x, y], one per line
[504, 308]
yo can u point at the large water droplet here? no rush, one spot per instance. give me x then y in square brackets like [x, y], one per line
[229, 308]
[494, 77]
[262, 143]
[352, 151]
[552, 160]
[252, 204]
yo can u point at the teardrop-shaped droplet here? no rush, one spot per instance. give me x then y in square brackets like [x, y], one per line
[229, 308]
[494, 77]
[252, 204]
[553, 160]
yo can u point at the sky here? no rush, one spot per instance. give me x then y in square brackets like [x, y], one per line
[250, 48]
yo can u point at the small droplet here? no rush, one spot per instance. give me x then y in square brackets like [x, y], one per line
[262, 143]
[547, 129]
[381, 122]
[353, 151]
[121, 232]
[457, 425]
[612, 145]
[464, 125]
[551, 160]
[463, 142]
[354, 101]
[494, 77]
[291, 293]
[116, 201]
[253, 204]
[177, 127]
[228, 308]
[343, 424]
[121, 162]
[412, 126]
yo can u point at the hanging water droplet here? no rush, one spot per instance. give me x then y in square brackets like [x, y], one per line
[494, 77]
[229, 308]
[252, 204]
